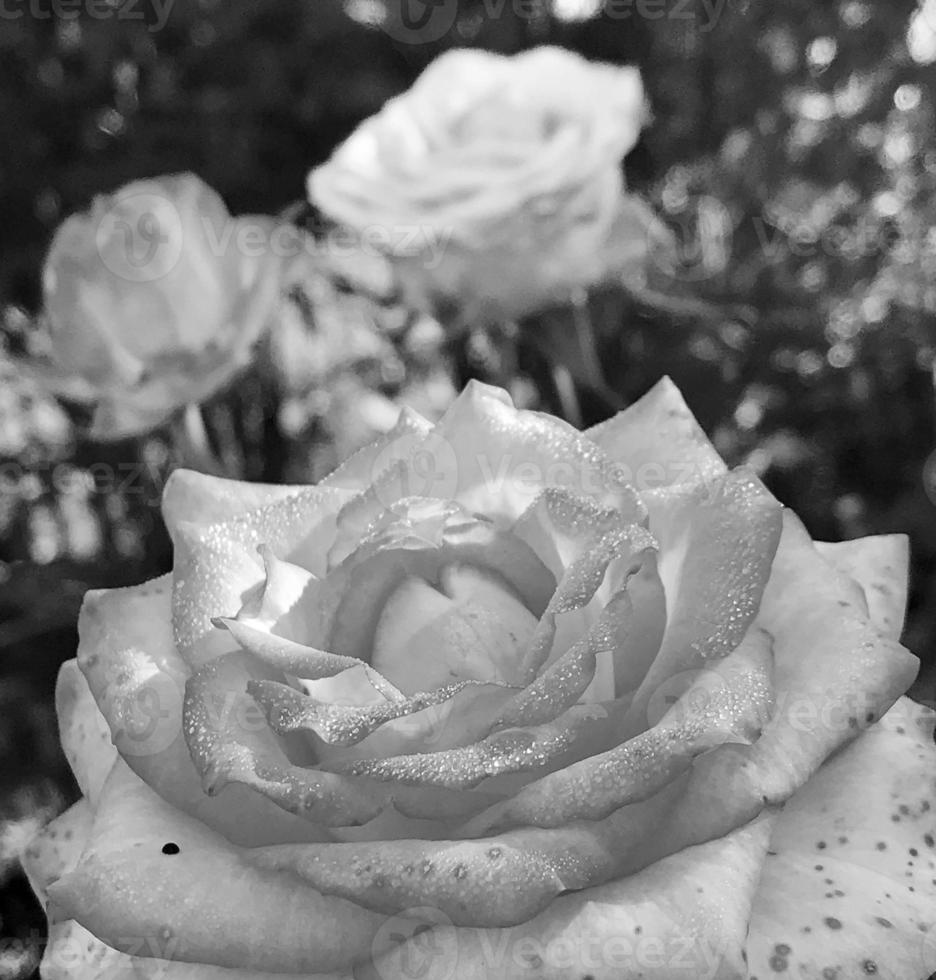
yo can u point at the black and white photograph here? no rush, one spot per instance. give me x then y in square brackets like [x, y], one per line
[467, 489]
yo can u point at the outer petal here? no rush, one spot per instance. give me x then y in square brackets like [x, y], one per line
[658, 442]
[685, 916]
[73, 953]
[880, 565]
[849, 888]
[85, 734]
[206, 901]
[359, 471]
[190, 497]
[835, 673]
[138, 681]
[215, 564]
[729, 703]
[717, 543]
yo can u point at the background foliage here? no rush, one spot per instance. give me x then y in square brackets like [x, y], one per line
[791, 153]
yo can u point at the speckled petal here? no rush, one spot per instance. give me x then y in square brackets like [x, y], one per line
[835, 672]
[230, 741]
[287, 655]
[73, 953]
[477, 881]
[191, 497]
[290, 710]
[85, 734]
[624, 549]
[359, 471]
[880, 565]
[728, 702]
[560, 526]
[216, 564]
[849, 887]
[205, 902]
[57, 847]
[658, 442]
[495, 460]
[685, 916]
[717, 542]
[138, 681]
[513, 750]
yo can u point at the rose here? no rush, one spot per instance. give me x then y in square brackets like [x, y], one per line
[148, 304]
[500, 699]
[495, 183]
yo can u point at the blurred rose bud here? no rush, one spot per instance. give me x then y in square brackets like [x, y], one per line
[154, 299]
[495, 183]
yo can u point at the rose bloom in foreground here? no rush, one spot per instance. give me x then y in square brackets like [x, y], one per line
[497, 699]
[150, 302]
[495, 184]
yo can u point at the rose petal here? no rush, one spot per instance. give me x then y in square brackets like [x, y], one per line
[561, 526]
[57, 847]
[128, 658]
[206, 901]
[835, 672]
[626, 548]
[717, 543]
[360, 470]
[493, 884]
[419, 538]
[494, 460]
[685, 916]
[289, 710]
[215, 564]
[849, 888]
[191, 497]
[880, 565]
[230, 740]
[85, 734]
[658, 442]
[73, 953]
[511, 750]
[729, 702]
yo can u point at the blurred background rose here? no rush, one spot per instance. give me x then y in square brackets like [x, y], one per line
[495, 181]
[153, 300]
[791, 156]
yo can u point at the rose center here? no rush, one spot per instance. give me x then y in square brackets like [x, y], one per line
[471, 626]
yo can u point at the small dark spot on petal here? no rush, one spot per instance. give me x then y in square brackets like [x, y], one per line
[171, 848]
[882, 845]
[884, 922]
[821, 845]
[832, 922]
[869, 966]
[778, 963]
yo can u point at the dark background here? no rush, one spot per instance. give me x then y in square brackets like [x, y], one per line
[791, 153]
